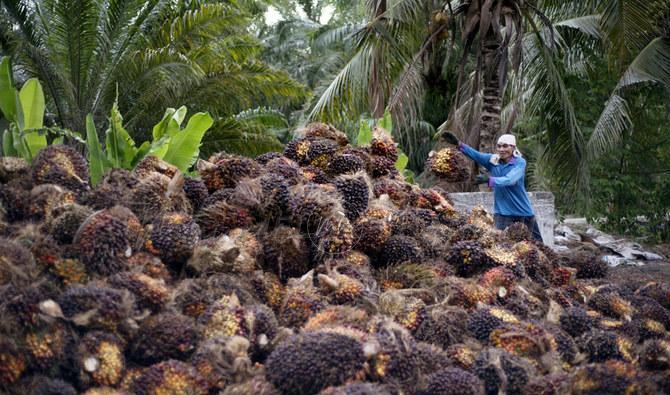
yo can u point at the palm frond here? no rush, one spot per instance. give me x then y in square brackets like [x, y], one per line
[239, 137]
[587, 24]
[613, 122]
[651, 64]
[628, 26]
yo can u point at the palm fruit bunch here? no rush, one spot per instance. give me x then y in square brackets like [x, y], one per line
[355, 191]
[104, 243]
[502, 372]
[114, 183]
[165, 336]
[46, 197]
[15, 262]
[448, 163]
[100, 358]
[196, 191]
[317, 269]
[173, 237]
[454, 381]
[65, 220]
[468, 258]
[157, 194]
[588, 265]
[61, 165]
[170, 377]
[309, 362]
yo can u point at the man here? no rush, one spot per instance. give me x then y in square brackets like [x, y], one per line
[507, 177]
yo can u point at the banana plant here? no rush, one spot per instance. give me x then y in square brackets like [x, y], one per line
[24, 110]
[172, 143]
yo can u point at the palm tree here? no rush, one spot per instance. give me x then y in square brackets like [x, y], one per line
[636, 35]
[150, 54]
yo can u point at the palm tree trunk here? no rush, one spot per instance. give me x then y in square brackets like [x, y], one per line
[492, 98]
[377, 87]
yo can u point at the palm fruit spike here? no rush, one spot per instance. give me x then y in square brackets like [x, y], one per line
[286, 253]
[454, 381]
[408, 311]
[483, 321]
[448, 163]
[399, 249]
[468, 258]
[322, 130]
[310, 362]
[225, 317]
[103, 243]
[235, 252]
[173, 237]
[341, 289]
[158, 194]
[655, 355]
[151, 164]
[355, 191]
[221, 217]
[65, 220]
[100, 358]
[196, 192]
[226, 171]
[48, 347]
[393, 355]
[44, 198]
[601, 346]
[11, 168]
[657, 291]
[115, 183]
[443, 327]
[16, 263]
[333, 238]
[611, 377]
[12, 361]
[301, 301]
[96, 306]
[165, 336]
[338, 316]
[286, 168]
[170, 377]
[502, 372]
[150, 293]
[371, 234]
[268, 288]
[345, 164]
[382, 144]
[21, 304]
[61, 165]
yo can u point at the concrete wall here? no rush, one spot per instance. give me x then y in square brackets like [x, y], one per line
[543, 205]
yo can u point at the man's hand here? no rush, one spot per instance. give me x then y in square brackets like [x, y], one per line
[450, 138]
[482, 179]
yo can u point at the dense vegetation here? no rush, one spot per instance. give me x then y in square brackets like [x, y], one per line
[583, 83]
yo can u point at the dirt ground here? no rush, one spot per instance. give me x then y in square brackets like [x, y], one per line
[652, 271]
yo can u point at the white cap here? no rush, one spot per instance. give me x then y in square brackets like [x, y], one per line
[507, 139]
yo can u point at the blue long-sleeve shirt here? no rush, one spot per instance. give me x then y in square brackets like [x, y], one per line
[508, 183]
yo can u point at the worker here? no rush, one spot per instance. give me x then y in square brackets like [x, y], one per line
[507, 170]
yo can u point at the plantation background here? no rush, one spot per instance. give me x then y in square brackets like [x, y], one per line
[583, 84]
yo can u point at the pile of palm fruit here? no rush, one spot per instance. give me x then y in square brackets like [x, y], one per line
[315, 271]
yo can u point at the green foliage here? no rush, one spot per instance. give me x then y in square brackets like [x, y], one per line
[250, 133]
[177, 146]
[365, 136]
[147, 54]
[24, 109]
[97, 161]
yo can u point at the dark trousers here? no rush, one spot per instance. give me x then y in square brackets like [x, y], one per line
[503, 221]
